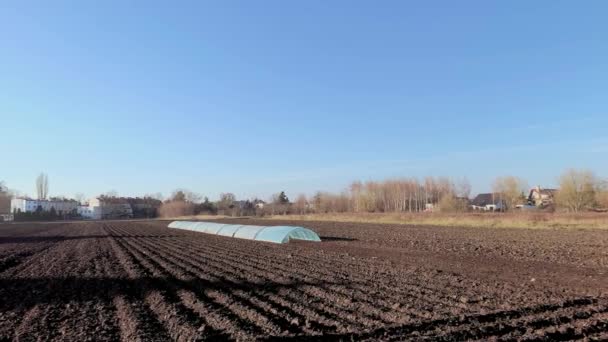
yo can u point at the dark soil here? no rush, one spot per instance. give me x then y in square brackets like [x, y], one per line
[140, 281]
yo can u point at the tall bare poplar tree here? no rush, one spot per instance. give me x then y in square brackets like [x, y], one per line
[42, 186]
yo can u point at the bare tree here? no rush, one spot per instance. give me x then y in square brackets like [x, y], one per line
[111, 194]
[193, 197]
[42, 186]
[79, 196]
[448, 203]
[185, 195]
[356, 189]
[301, 204]
[176, 209]
[156, 196]
[601, 195]
[178, 196]
[510, 189]
[397, 195]
[227, 200]
[577, 190]
[463, 188]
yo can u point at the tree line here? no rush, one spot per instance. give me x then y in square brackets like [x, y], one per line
[393, 195]
[579, 190]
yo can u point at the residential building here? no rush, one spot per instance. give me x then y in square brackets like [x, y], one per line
[488, 202]
[89, 212]
[258, 203]
[98, 209]
[28, 205]
[541, 197]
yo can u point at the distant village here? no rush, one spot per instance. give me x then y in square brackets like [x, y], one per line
[579, 191]
[113, 207]
[537, 198]
[94, 209]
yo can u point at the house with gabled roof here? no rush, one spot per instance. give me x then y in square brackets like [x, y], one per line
[541, 197]
[488, 202]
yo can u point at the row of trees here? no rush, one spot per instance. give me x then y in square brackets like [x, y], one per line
[41, 215]
[578, 190]
[395, 195]
[582, 190]
[185, 203]
[141, 207]
[398, 195]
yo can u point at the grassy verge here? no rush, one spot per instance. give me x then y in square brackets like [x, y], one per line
[475, 220]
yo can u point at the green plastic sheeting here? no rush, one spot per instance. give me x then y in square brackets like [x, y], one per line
[276, 234]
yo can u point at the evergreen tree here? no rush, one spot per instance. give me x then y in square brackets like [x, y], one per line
[282, 199]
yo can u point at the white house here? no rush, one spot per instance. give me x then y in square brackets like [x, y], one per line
[28, 205]
[258, 203]
[90, 212]
[97, 209]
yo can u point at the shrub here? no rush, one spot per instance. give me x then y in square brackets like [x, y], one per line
[176, 209]
[450, 204]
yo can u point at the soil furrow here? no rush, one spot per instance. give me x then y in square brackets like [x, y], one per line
[307, 270]
[140, 281]
[296, 272]
[215, 266]
[201, 288]
[179, 321]
[175, 294]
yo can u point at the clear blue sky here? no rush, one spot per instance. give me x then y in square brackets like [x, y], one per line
[254, 97]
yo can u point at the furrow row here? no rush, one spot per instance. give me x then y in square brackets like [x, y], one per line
[235, 280]
[161, 298]
[240, 303]
[316, 295]
[355, 290]
[214, 311]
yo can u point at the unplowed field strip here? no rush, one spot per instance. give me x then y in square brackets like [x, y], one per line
[140, 281]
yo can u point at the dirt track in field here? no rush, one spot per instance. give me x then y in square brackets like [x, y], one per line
[141, 281]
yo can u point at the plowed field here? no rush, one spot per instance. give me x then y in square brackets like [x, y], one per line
[140, 281]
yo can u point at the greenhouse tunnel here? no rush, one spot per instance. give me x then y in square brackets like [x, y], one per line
[276, 234]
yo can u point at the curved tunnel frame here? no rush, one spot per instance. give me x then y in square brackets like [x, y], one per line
[276, 234]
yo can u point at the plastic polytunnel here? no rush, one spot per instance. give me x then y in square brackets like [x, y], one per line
[276, 234]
